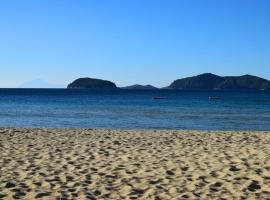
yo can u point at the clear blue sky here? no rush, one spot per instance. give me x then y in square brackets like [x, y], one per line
[132, 41]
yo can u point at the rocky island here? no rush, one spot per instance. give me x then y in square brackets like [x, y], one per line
[210, 81]
[91, 83]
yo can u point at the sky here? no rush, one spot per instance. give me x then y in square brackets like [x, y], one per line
[132, 41]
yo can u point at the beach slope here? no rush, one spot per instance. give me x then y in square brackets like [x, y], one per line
[133, 164]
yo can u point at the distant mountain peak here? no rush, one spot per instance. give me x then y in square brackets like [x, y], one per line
[140, 87]
[39, 83]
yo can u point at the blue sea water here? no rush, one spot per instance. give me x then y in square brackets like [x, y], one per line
[130, 109]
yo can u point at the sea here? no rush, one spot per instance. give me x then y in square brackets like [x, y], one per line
[135, 109]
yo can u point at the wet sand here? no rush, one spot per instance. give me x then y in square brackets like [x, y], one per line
[133, 164]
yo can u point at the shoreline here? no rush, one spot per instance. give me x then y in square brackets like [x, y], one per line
[135, 129]
[71, 163]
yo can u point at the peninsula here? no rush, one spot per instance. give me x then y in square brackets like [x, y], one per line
[210, 81]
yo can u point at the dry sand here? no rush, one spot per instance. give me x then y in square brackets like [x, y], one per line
[133, 164]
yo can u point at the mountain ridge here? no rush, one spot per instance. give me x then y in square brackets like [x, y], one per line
[209, 81]
[206, 81]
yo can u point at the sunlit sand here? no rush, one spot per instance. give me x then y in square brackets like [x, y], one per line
[133, 164]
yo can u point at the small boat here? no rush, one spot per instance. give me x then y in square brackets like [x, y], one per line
[213, 98]
[157, 98]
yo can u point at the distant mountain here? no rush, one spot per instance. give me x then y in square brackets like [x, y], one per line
[91, 83]
[139, 87]
[38, 83]
[210, 81]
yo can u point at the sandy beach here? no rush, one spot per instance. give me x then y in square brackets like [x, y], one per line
[133, 164]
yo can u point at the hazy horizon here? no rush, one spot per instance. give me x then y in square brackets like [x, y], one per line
[132, 42]
[41, 83]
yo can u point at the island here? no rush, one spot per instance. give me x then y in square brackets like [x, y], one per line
[91, 83]
[210, 81]
[206, 81]
[140, 87]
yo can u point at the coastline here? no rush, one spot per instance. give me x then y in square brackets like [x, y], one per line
[44, 163]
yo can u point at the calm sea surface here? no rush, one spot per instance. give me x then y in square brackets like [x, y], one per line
[134, 109]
